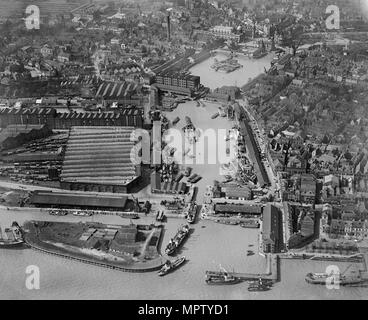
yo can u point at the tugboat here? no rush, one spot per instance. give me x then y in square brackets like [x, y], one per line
[11, 237]
[189, 196]
[192, 213]
[221, 277]
[170, 266]
[178, 240]
[259, 285]
[353, 278]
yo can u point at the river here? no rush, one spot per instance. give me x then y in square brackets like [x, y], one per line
[208, 247]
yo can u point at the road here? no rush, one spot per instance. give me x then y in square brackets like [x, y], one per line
[259, 135]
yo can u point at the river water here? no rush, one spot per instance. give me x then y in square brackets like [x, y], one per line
[209, 246]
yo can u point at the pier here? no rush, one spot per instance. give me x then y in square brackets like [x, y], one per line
[272, 271]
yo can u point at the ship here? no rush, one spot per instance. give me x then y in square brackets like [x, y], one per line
[11, 237]
[129, 215]
[221, 277]
[192, 213]
[250, 224]
[170, 266]
[352, 278]
[175, 243]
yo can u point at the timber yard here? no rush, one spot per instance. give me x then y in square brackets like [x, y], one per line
[205, 154]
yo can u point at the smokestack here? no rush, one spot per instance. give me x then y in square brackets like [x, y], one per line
[168, 27]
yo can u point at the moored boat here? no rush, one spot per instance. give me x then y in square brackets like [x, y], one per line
[214, 116]
[170, 266]
[11, 237]
[341, 279]
[175, 243]
[192, 212]
[228, 222]
[250, 224]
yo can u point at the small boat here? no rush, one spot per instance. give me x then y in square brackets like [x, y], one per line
[260, 285]
[250, 253]
[214, 116]
[190, 195]
[175, 121]
[192, 213]
[221, 278]
[170, 266]
[352, 278]
[196, 179]
[177, 240]
[250, 224]
[129, 215]
[11, 237]
[228, 222]
[187, 171]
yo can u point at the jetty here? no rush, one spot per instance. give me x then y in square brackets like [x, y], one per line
[272, 271]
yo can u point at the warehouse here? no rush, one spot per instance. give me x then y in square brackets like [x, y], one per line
[132, 117]
[99, 159]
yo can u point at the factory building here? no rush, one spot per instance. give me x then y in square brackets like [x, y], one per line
[65, 120]
[100, 159]
[178, 83]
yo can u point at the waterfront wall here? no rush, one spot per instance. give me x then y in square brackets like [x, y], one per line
[152, 265]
